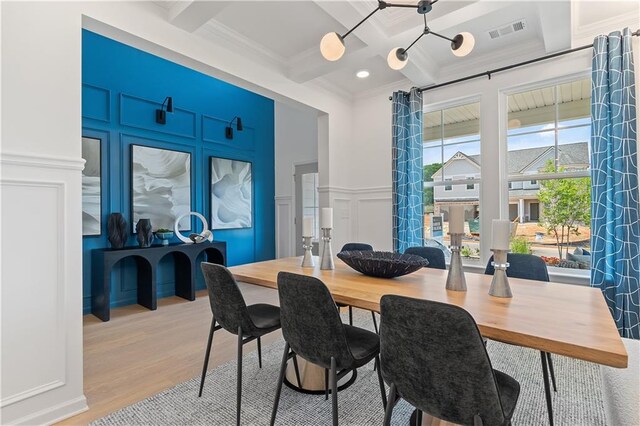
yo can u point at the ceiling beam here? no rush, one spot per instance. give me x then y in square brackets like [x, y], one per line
[556, 34]
[191, 15]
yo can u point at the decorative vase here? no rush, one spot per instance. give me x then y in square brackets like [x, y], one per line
[164, 237]
[145, 234]
[116, 230]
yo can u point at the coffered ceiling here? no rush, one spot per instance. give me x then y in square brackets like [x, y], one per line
[285, 35]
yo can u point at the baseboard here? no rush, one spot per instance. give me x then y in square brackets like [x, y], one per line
[56, 413]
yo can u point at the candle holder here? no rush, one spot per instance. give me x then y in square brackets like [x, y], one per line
[500, 283]
[326, 259]
[307, 260]
[455, 278]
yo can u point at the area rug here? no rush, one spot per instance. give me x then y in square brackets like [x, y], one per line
[577, 402]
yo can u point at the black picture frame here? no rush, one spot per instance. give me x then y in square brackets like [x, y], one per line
[213, 219]
[132, 176]
[91, 148]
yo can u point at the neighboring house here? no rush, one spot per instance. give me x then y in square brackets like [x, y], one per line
[523, 195]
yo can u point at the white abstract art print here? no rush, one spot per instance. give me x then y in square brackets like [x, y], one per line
[91, 182]
[160, 186]
[231, 194]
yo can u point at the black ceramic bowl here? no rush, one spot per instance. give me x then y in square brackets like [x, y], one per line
[382, 264]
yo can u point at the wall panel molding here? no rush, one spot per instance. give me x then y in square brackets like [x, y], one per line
[140, 113]
[94, 97]
[41, 161]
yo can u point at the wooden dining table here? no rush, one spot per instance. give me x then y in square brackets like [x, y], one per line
[569, 320]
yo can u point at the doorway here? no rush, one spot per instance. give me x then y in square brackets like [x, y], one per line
[307, 203]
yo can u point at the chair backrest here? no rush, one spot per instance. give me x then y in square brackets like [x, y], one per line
[525, 266]
[434, 255]
[227, 304]
[311, 322]
[434, 354]
[357, 247]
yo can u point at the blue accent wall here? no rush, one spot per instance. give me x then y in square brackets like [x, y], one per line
[121, 89]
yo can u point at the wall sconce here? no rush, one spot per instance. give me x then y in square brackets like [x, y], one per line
[228, 131]
[161, 114]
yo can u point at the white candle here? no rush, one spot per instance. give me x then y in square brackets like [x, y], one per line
[501, 234]
[456, 219]
[326, 218]
[307, 226]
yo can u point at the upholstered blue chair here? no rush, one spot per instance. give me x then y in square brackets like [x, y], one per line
[432, 355]
[531, 267]
[434, 255]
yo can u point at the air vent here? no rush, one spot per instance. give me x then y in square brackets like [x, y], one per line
[508, 29]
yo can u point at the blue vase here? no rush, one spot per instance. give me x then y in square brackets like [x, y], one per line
[145, 233]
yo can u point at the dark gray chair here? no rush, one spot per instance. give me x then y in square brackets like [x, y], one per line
[434, 255]
[231, 313]
[312, 329]
[432, 355]
[358, 247]
[531, 267]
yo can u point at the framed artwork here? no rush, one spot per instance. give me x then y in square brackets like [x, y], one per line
[231, 194]
[91, 187]
[160, 187]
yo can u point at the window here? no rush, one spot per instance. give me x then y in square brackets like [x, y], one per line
[451, 159]
[310, 203]
[549, 180]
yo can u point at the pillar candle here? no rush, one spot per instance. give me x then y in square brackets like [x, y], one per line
[307, 226]
[501, 234]
[456, 219]
[326, 218]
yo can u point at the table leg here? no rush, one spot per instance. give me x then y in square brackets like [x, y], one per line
[312, 378]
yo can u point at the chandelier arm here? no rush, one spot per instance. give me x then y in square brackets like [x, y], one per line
[381, 5]
[416, 40]
[410, 6]
[441, 36]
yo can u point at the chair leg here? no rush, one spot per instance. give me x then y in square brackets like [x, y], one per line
[334, 391]
[547, 390]
[390, 403]
[326, 384]
[553, 375]
[259, 353]
[239, 384]
[297, 370]
[350, 315]
[283, 368]
[375, 322]
[206, 355]
[418, 417]
[381, 382]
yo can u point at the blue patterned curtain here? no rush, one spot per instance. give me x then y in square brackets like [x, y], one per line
[408, 226]
[615, 232]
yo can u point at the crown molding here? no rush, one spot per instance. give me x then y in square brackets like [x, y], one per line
[384, 90]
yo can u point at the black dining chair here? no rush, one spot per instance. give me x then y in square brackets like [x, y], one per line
[434, 256]
[358, 247]
[433, 356]
[531, 267]
[231, 313]
[312, 329]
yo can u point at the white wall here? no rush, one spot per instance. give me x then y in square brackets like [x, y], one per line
[296, 141]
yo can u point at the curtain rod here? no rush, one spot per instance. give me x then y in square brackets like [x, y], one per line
[508, 67]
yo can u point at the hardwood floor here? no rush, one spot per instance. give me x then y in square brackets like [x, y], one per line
[140, 352]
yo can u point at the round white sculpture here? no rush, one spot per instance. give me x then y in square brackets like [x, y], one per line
[205, 235]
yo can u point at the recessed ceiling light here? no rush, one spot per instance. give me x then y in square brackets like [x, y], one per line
[362, 74]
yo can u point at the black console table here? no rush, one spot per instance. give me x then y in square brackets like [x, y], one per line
[147, 259]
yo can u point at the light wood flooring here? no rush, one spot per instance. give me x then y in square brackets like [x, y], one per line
[141, 352]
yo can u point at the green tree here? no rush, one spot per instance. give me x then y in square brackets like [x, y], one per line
[566, 204]
[428, 171]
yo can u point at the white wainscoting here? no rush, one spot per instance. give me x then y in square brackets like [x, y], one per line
[41, 300]
[285, 228]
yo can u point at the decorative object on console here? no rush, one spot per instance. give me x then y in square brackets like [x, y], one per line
[231, 194]
[326, 223]
[91, 190]
[332, 44]
[145, 232]
[161, 114]
[160, 185]
[455, 278]
[501, 231]
[164, 235]
[228, 131]
[205, 235]
[307, 245]
[382, 264]
[117, 230]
